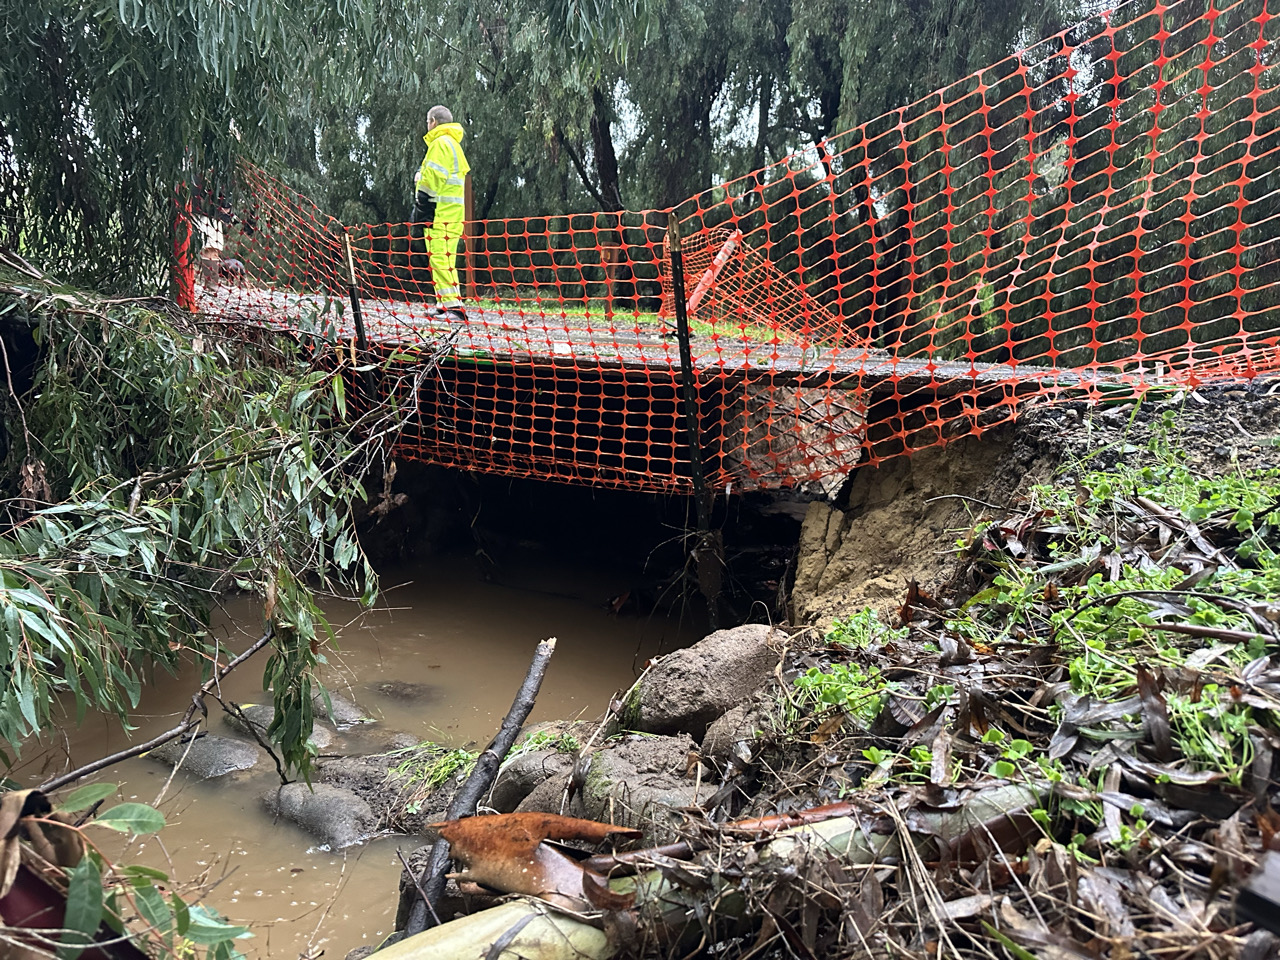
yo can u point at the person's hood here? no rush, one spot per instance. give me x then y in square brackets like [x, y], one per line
[453, 130]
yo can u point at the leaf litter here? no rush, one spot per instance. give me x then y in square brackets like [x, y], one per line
[1110, 645]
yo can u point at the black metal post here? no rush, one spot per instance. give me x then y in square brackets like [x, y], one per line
[709, 553]
[353, 288]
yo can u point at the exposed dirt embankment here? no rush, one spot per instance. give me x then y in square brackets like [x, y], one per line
[899, 524]
[901, 520]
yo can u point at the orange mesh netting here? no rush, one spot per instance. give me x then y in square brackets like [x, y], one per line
[1098, 214]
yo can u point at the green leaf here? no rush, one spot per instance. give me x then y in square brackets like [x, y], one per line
[111, 915]
[207, 928]
[87, 796]
[26, 701]
[1018, 748]
[136, 871]
[340, 395]
[132, 818]
[153, 907]
[182, 913]
[84, 907]
[1019, 953]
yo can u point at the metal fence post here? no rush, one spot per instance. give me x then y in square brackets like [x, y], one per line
[709, 552]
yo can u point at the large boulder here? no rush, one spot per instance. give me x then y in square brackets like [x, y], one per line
[208, 756]
[344, 712]
[546, 797]
[406, 691]
[732, 737]
[388, 784]
[642, 783]
[335, 816]
[518, 778]
[688, 689]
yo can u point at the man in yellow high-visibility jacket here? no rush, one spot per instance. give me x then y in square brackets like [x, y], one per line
[439, 204]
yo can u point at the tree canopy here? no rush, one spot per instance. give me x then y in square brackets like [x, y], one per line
[712, 91]
[109, 108]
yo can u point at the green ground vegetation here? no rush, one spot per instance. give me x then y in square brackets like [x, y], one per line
[425, 768]
[1125, 619]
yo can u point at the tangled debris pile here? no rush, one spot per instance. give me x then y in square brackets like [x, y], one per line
[1108, 644]
[1068, 750]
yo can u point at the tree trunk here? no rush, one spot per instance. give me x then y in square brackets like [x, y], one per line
[467, 798]
[605, 155]
[762, 121]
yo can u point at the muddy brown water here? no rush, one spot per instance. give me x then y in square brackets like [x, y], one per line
[458, 645]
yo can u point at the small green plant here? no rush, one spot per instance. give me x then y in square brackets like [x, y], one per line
[854, 690]
[877, 756]
[1011, 757]
[939, 694]
[425, 768]
[1211, 731]
[544, 740]
[1131, 836]
[864, 629]
[921, 759]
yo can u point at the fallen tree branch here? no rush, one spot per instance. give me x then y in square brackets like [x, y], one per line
[1212, 633]
[233, 709]
[464, 803]
[417, 883]
[189, 720]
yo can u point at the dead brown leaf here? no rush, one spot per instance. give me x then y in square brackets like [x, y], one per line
[828, 728]
[1155, 714]
[506, 852]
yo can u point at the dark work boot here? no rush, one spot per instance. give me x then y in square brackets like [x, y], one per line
[453, 314]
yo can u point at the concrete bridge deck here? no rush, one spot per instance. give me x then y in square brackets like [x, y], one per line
[526, 390]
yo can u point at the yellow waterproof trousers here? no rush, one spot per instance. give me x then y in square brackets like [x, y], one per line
[443, 240]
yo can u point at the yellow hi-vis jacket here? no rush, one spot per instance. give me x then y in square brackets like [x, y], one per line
[444, 170]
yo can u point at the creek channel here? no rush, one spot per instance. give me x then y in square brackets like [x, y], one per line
[439, 659]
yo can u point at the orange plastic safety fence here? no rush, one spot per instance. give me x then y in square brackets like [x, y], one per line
[1094, 216]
